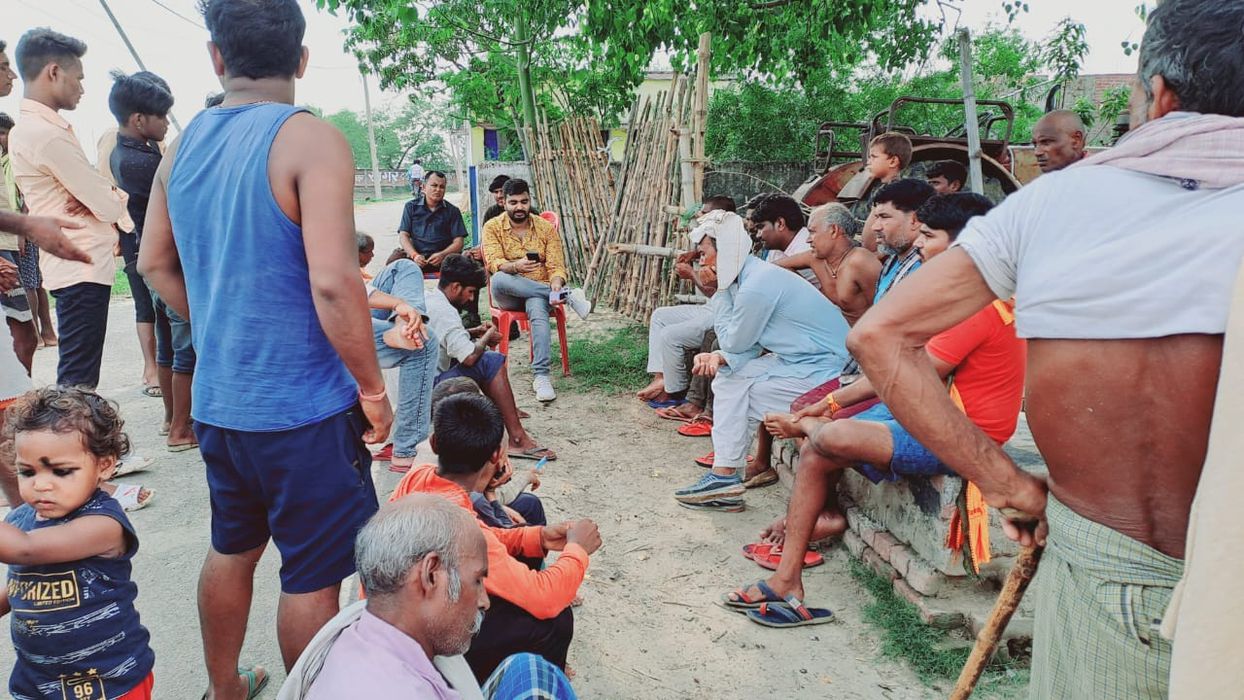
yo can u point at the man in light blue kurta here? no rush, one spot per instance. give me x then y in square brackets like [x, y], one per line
[779, 338]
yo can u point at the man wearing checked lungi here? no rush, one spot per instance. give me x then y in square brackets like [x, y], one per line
[1122, 268]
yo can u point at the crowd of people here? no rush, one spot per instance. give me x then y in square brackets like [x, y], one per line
[899, 337]
[281, 224]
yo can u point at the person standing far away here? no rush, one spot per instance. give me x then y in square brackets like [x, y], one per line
[56, 178]
[415, 174]
[285, 393]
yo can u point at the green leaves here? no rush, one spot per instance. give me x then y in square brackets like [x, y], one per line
[777, 120]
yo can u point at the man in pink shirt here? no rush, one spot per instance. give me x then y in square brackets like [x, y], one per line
[422, 562]
[52, 171]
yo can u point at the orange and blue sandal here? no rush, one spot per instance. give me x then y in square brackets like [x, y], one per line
[792, 613]
[739, 600]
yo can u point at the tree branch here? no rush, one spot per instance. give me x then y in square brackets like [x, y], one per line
[482, 35]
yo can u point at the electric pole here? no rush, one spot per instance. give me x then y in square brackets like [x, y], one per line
[134, 53]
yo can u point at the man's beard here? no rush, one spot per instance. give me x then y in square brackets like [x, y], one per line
[891, 250]
[456, 642]
[519, 215]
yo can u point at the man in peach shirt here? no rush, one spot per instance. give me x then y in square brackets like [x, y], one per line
[52, 171]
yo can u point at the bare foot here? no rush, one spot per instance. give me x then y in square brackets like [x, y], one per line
[782, 588]
[49, 341]
[827, 525]
[782, 425]
[653, 390]
[775, 532]
[395, 337]
[527, 443]
[688, 411]
[243, 687]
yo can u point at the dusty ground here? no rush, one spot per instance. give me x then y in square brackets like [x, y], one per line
[649, 626]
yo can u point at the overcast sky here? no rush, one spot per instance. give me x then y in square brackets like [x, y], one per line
[174, 48]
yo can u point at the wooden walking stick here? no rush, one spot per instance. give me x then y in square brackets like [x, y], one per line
[987, 639]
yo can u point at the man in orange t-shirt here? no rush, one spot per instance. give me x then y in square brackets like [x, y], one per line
[530, 609]
[983, 362]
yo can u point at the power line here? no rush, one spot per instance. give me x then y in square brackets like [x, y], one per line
[178, 14]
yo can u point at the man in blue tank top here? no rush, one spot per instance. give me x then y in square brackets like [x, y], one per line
[250, 234]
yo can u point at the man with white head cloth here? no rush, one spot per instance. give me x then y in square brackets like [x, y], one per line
[779, 338]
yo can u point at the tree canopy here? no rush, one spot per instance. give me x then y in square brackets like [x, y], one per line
[587, 56]
[401, 136]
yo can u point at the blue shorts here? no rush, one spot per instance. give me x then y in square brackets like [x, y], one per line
[910, 457]
[144, 311]
[174, 347]
[308, 488]
[482, 372]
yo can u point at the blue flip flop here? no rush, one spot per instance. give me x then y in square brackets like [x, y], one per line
[668, 403]
[791, 613]
[744, 603]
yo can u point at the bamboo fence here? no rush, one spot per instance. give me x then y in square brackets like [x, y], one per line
[620, 230]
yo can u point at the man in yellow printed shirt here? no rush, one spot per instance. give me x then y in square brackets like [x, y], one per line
[524, 255]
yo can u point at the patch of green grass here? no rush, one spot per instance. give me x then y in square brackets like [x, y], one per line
[924, 648]
[121, 284]
[613, 361]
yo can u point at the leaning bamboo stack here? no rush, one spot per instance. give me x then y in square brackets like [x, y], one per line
[571, 177]
[620, 229]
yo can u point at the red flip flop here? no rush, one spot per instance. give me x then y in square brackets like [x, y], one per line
[700, 427]
[771, 557]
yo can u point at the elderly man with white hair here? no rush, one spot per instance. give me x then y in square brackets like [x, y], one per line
[779, 338]
[422, 562]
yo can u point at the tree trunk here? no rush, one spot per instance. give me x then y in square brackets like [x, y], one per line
[522, 36]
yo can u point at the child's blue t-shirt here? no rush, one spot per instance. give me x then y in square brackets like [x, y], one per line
[75, 628]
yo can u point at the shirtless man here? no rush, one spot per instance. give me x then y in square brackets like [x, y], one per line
[1058, 140]
[1124, 442]
[847, 272]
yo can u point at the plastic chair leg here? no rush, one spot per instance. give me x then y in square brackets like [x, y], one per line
[561, 337]
[504, 346]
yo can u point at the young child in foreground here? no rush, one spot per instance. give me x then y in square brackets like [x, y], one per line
[68, 549]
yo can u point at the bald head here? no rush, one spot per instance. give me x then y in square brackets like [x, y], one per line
[1058, 140]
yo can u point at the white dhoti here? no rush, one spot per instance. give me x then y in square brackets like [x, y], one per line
[672, 331]
[741, 400]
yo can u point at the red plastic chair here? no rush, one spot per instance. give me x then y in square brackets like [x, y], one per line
[504, 319]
